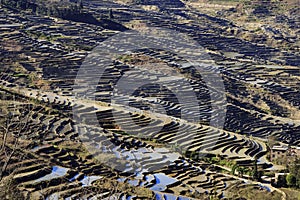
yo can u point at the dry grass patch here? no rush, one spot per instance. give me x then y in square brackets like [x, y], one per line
[291, 194]
[117, 187]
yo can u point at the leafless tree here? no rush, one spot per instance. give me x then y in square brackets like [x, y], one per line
[14, 123]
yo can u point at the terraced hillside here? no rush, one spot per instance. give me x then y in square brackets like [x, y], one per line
[52, 162]
[160, 141]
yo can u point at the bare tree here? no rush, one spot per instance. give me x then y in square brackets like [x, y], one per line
[14, 123]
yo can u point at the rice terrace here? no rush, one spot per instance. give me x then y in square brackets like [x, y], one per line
[150, 99]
